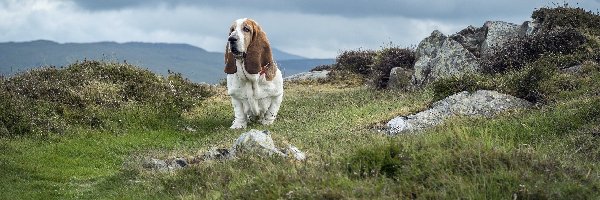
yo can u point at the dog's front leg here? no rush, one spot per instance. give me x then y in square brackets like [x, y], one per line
[240, 121]
[253, 93]
[272, 111]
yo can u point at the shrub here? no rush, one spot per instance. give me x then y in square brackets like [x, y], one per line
[445, 87]
[45, 100]
[356, 61]
[565, 16]
[388, 58]
[321, 68]
[516, 53]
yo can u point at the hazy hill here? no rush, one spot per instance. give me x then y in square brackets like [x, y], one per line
[194, 63]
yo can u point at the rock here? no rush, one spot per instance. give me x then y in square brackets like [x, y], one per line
[482, 103]
[216, 154]
[471, 39]
[255, 141]
[527, 28]
[156, 164]
[292, 151]
[400, 78]
[573, 69]
[177, 163]
[304, 76]
[498, 33]
[439, 57]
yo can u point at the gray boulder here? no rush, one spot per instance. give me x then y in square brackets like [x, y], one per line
[498, 33]
[438, 57]
[216, 154]
[471, 38]
[155, 164]
[256, 142]
[306, 76]
[400, 78]
[253, 142]
[293, 152]
[165, 165]
[482, 103]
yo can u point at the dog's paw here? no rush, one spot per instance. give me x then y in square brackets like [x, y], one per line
[266, 121]
[238, 125]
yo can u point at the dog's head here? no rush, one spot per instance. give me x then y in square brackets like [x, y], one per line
[247, 41]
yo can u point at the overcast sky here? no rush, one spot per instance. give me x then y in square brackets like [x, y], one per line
[310, 28]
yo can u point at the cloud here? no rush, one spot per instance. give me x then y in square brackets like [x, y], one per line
[311, 28]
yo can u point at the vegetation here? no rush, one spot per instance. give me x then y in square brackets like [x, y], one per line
[372, 67]
[111, 116]
[48, 100]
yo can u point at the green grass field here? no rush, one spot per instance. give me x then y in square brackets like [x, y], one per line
[547, 152]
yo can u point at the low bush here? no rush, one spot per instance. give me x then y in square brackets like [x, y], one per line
[356, 61]
[566, 16]
[388, 58]
[516, 53]
[445, 87]
[45, 100]
[321, 68]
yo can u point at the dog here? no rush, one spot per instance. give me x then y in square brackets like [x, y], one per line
[254, 82]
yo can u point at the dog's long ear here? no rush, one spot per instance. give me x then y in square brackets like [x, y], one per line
[230, 67]
[258, 57]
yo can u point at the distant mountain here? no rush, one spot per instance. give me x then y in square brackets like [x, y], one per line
[280, 55]
[194, 63]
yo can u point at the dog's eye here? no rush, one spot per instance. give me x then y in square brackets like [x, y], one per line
[246, 29]
[231, 29]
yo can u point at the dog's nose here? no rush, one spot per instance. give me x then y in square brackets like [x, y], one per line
[232, 39]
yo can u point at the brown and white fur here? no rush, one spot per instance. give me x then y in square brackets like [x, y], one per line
[254, 82]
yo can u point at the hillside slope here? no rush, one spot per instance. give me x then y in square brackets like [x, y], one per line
[192, 62]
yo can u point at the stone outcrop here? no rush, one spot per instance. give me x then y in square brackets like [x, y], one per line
[307, 76]
[482, 103]
[440, 56]
[251, 143]
[400, 78]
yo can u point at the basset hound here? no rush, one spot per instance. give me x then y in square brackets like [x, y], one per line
[254, 82]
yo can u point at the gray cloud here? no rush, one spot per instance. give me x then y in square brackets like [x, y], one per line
[312, 28]
[431, 9]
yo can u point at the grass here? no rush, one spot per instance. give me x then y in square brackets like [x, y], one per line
[530, 154]
[100, 120]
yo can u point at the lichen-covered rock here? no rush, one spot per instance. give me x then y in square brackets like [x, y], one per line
[400, 78]
[216, 154]
[155, 164]
[482, 103]
[255, 141]
[498, 33]
[306, 76]
[292, 151]
[439, 56]
[471, 38]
